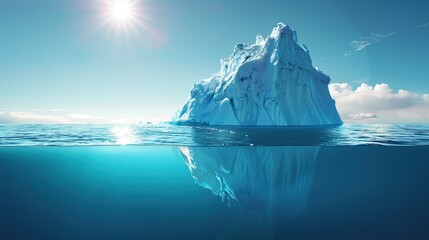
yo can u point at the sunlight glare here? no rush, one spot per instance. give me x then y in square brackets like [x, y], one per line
[125, 135]
[123, 15]
[122, 10]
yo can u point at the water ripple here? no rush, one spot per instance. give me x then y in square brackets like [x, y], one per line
[89, 135]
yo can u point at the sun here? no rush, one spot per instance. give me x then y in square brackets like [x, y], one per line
[123, 19]
[123, 11]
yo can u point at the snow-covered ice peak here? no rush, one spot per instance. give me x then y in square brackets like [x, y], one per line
[270, 82]
[282, 30]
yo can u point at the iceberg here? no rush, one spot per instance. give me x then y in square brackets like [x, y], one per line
[257, 181]
[270, 82]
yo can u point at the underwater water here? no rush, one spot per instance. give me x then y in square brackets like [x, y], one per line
[218, 184]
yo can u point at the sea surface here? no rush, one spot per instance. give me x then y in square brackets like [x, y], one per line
[182, 182]
[165, 134]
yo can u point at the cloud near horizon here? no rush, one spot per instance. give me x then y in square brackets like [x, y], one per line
[379, 104]
[365, 104]
[52, 117]
[359, 116]
[65, 117]
[23, 117]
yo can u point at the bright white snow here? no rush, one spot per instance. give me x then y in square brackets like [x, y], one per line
[271, 82]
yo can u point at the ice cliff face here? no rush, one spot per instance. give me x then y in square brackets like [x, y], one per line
[271, 82]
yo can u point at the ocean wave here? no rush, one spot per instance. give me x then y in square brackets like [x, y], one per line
[164, 134]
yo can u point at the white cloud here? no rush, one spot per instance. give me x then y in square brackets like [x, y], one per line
[364, 42]
[29, 117]
[365, 104]
[83, 117]
[380, 100]
[422, 25]
[60, 116]
[45, 117]
[359, 116]
[58, 110]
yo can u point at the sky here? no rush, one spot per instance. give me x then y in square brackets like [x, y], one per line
[67, 61]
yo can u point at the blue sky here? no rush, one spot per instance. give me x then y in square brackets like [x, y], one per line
[60, 58]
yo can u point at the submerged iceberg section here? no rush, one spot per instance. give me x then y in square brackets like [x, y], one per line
[259, 181]
[271, 82]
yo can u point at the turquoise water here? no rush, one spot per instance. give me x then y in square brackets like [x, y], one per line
[90, 135]
[215, 185]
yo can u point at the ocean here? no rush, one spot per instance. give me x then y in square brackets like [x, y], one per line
[182, 182]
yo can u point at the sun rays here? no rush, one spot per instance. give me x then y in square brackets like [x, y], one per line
[123, 17]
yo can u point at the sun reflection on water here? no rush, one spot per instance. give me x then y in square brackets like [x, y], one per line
[125, 135]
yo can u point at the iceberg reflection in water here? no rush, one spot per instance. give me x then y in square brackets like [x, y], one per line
[146, 192]
[259, 181]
